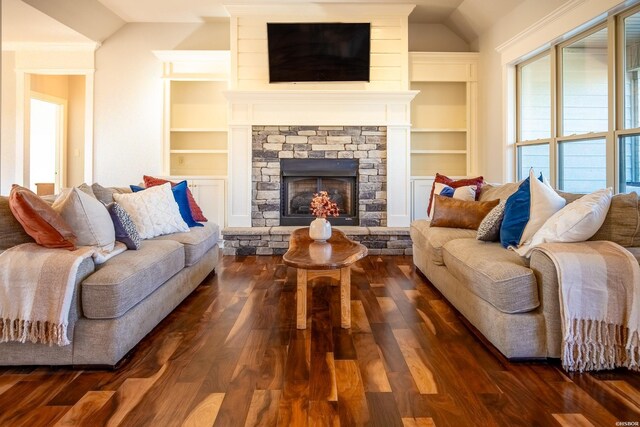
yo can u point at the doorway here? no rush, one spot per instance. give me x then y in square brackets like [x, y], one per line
[47, 140]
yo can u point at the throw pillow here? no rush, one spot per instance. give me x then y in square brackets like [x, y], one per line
[544, 203]
[88, 218]
[576, 222]
[455, 213]
[153, 211]
[527, 210]
[11, 232]
[126, 231]
[39, 220]
[179, 191]
[196, 212]
[453, 183]
[489, 228]
[87, 189]
[105, 194]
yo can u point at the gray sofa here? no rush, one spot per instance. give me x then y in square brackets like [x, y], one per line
[116, 304]
[512, 302]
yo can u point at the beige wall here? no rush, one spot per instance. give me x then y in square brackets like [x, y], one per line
[435, 38]
[7, 122]
[129, 96]
[52, 85]
[75, 131]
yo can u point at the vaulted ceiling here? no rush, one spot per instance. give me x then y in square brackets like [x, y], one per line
[72, 21]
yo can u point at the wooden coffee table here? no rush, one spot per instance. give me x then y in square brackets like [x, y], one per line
[313, 259]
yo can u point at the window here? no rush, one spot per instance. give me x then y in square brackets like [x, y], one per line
[534, 156]
[563, 123]
[629, 136]
[534, 115]
[582, 165]
[535, 100]
[585, 85]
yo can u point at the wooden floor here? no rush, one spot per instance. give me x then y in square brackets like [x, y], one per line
[230, 356]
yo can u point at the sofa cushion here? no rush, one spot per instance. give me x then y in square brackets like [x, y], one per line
[11, 232]
[128, 278]
[431, 239]
[196, 242]
[495, 274]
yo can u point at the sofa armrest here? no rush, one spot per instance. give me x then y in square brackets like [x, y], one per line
[85, 269]
[547, 279]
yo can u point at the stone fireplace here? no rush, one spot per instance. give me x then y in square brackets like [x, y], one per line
[301, 179]
[290, 163]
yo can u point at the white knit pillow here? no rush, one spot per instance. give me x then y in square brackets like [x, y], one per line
[154, 211]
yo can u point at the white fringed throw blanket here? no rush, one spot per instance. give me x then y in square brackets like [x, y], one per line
[599, 304]
[36, 289]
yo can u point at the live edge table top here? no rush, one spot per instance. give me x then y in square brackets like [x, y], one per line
[337, 252]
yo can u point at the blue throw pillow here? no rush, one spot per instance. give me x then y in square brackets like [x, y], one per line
[180, 195]
[516, 215]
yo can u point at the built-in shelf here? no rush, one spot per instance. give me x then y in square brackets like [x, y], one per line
[443, 114]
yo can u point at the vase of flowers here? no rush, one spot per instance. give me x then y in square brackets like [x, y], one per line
[322, 207]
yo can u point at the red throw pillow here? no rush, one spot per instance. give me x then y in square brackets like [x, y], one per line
[39, 220]
[196, 212]
[453, 183]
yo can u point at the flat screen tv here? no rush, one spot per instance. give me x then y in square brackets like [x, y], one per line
[318, 52]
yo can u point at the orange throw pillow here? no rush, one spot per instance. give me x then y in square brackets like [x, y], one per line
[196, 212]
[456, 213]
[39, 220]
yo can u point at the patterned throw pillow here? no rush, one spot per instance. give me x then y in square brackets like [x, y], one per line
[454, 183]
[489, 228]
[126, 231]
[196, 212]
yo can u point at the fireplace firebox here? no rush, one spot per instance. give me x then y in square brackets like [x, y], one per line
[301, 178]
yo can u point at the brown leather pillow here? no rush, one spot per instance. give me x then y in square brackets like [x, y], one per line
[456, 213]
[39, 220]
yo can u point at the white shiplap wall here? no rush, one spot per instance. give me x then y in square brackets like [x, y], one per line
[389, 43]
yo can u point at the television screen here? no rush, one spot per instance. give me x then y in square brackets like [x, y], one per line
[318, 52]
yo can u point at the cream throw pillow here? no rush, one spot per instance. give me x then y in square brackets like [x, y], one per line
[544, 203]
[576, 222]
[154, 211]
[87, 217]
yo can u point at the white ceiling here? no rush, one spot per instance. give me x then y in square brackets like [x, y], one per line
[22, 22]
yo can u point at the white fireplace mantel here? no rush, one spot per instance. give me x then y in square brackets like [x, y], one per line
[319, 108]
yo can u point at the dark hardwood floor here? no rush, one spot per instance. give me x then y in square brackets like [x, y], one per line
[230, 355]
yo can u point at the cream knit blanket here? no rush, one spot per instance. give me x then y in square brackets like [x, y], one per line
[36, 289]
[599, 287]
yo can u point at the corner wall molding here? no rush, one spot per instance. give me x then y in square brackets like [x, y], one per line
[550, 18]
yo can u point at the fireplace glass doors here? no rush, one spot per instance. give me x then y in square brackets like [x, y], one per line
[301, 178]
